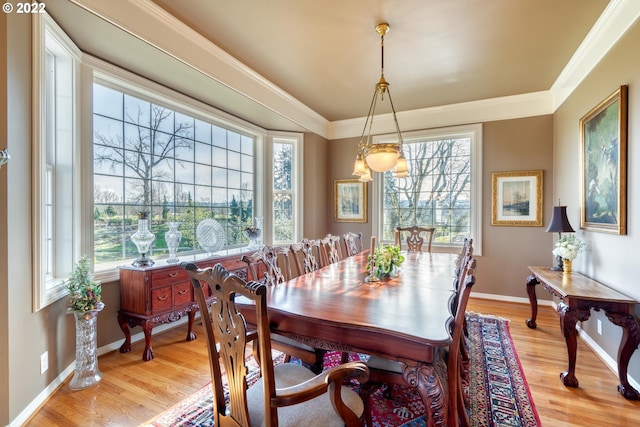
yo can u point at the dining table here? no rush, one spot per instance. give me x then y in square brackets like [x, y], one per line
[404, 317]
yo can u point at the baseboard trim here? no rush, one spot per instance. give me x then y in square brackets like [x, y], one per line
[35, 404]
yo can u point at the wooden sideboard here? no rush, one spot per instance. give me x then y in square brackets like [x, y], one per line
[578, 295]
[162, 294]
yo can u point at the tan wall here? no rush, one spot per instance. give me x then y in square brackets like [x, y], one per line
[4, 249]
[510, 145]
[29, 334]
[610, 258]
[316, 189]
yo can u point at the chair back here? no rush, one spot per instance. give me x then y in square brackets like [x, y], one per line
[330, 249]
[457, 415]
[352, 243]
[416, 238]
[227, 328]
[460, 272]
[269, 265]
[305, 256]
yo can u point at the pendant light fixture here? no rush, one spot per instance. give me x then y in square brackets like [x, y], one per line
[381, 157]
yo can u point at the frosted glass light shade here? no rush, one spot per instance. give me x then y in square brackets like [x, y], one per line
[359, 168]
[382, 157]
[366, 177]
[402, 171]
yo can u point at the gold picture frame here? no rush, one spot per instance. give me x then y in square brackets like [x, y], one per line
[603, 165]
[350, 200]
[516, 198]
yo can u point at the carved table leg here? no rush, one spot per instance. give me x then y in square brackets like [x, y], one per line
[568, 319]
[430, 381]
[532, 281]
[191, 315]
[147, 328]
[126, 346]
[628, 344]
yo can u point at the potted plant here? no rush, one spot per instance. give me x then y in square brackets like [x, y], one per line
[568, 247]
[386, 259]
[85, 302]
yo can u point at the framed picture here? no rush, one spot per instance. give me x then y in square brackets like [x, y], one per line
[350, 200]
[516, 198]
[603, 140]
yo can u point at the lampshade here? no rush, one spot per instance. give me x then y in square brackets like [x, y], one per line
[559, 221]
[401, 170]
[359, 167]
[366, 176]
[381, 157]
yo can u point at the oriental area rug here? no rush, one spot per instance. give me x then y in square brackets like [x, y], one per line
[498, 390]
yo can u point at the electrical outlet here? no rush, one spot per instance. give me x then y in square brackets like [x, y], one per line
[599, 324]
[44, 362]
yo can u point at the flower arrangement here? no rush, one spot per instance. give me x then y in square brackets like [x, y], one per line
[568, 247]
[84, 292]
[385, 257]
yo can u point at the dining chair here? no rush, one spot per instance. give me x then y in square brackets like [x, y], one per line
[270, 265]
[304, 258]
[415, 240]
[330, 247]
[352, 243]
[387, 372]
[287, 394]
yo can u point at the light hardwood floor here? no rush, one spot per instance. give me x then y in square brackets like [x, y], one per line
[133, 392]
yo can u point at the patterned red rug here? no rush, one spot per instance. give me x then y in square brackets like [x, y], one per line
[499, 390]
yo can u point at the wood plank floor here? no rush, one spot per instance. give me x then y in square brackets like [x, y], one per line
[133, 392]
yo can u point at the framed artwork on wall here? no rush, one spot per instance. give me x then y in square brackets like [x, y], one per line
[516, 198]
[350, 200]
[603, 143]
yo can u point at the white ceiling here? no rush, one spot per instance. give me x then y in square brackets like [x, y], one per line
[312, 65]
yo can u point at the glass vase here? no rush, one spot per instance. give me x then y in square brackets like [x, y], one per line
[259, 227]
[87, 373]
[173, 237]
[143, 238]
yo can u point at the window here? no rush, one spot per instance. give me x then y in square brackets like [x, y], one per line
[174, 163]
[55, 177]
[443, 189]
[286, 206]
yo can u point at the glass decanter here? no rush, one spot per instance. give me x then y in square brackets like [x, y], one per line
[143, 238]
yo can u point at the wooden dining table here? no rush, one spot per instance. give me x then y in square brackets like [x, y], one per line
[404, 318]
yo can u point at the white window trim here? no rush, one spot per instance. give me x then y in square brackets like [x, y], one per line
[297, 185]
[46, 290]
[475, 132]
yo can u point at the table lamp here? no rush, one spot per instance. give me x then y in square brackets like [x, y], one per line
[560, 224]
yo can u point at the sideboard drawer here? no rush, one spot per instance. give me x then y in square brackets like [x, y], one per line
[168, 277]
[181, 294]
[160, 299]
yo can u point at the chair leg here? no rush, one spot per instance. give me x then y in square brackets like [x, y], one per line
[365, 392]
[344, 357]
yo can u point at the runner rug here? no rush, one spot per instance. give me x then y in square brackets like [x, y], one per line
[498, 390]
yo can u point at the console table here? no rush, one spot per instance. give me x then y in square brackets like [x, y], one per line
[162, 294]
[579, 294]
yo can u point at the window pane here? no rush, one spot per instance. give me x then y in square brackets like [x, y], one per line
[437, 192]
[107, 102]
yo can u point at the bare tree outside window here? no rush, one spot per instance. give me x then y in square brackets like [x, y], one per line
[436, 194]
[148, 157]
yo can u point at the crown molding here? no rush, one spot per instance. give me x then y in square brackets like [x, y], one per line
[486, 110]
[148, 22]
[616, 19]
